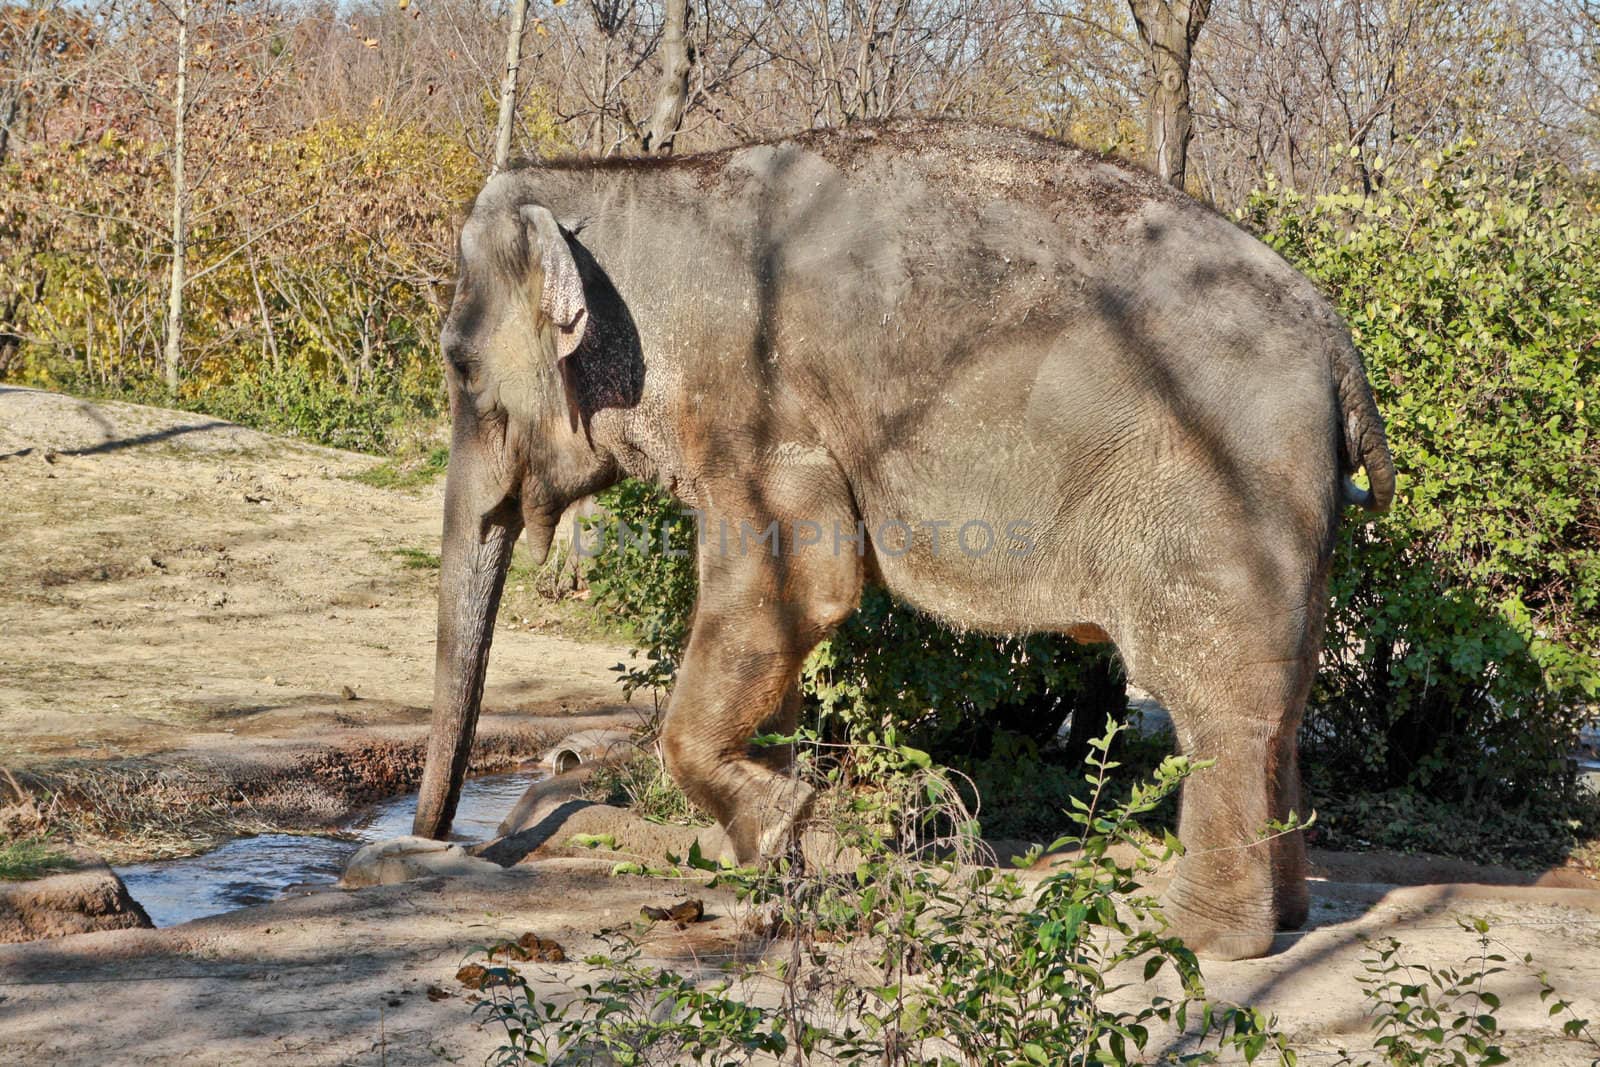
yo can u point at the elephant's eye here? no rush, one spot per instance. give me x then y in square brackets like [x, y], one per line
[459, 354]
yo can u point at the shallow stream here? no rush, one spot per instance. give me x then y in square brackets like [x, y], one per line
[254, 870]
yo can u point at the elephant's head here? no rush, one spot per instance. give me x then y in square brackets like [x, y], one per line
[534, 323]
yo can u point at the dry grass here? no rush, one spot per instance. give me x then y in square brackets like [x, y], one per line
[131, 811]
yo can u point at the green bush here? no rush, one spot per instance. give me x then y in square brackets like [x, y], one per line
[1465, 624]
[300, 402]
[651, 591]
[888, 674]
[969, 964]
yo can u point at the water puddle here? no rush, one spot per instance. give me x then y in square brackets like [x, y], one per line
[254, 870]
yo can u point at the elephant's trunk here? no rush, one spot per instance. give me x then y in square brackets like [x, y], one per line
[480, 529]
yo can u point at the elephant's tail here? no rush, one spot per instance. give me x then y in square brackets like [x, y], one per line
[1364, 445]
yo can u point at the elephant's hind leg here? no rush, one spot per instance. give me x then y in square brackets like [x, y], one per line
[1240, 704]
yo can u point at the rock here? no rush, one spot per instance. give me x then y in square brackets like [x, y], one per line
[635, 839]
[402, 859]
[74, 902]
[589, 746]
[545, 796]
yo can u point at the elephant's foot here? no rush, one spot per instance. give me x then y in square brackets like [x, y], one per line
[769, 819]
[1293, 902]
[1213, 929]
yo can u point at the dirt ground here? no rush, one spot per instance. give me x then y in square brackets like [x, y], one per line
[345, 977]
[178, 589]
[171, 580]
[184, 594]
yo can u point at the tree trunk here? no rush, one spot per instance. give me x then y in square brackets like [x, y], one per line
[672, 98]
[180, 203]
[1168, 30]
[13, 104]
[14, 92]
[508, 88]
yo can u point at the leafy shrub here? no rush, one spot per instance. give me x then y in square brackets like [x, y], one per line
[299, 402]
[1426, 1015]
[975, 966]
[888, 674]
[1464, 636]
[652, 591]
[313, 303]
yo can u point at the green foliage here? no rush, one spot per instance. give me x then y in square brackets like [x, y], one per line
[634, 1015]
[641, 783]
[1464, 636]
[973, 965]
[25, 858]
[652, 590]
[888, 673]
[1539, 832]
[299, 402]
[890, 667]
[1425, 1015]
[414, 473]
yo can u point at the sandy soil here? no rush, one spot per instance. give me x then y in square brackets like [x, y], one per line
[175, 581]
[344, 977]
[177, 589]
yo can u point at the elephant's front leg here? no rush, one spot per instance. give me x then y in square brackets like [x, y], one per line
[757, 618]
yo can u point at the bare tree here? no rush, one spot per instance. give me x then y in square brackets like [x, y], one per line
[173, 348]
[677, 58]
[1322, 94]
[508, 88]
[1169, 30]
[26, 37]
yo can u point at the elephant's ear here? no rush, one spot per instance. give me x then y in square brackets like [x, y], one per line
[561, 300]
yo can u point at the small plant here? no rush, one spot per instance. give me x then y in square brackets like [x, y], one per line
[416, 559]
[397, 473]
[31, 857]
[1425, 1015]
[906, 950]
[641, 784]
[635, 1015]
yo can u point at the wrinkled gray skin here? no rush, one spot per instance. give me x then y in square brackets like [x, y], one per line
[920, 323]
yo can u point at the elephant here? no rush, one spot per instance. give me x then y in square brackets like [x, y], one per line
[1023, 386]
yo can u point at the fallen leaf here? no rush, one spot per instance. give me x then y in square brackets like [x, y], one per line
[476, 976]
[684, 913]
[540, 949]
[530, 946]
